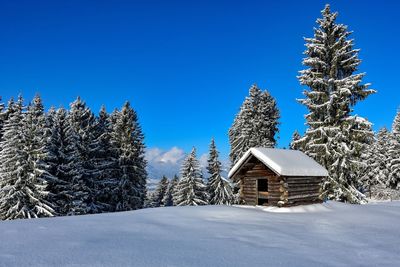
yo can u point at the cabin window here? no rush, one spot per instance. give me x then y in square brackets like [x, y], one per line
[262, 191]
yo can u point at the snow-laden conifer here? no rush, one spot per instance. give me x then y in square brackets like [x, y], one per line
[394, 152]
[127, 140]
[219, 189]
[295, 137]
[2, 119]
[191, 190]
[255, 125]
[168, 199]
[396, 125]
[59, 162]
[334, 137]
[23, 187]
[377, 162]
[159, 193]
[79, 134]
[103, 162]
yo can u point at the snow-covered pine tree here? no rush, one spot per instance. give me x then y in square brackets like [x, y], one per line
[79, 134]
[191, 190]
[23, 187]
[2, 118]
[103, 162]
[58, 162]
[159, 193]
[127, 141]
[256, 124]
[295, 137]
[140, 161]
[219, 189]
[334, 137]
[168, 199]
[377, 161]
[394, 152]
[396, 125]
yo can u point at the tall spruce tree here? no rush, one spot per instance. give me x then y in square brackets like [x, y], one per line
[127, 141]
[191, 190]
[219, 189]
[394, 152]
[255, 125]
[23, 187]
[334, 137]
[58, 162]
[168, 199]
[103, 162]
[396, 125]
[79, 138]
[2, 119]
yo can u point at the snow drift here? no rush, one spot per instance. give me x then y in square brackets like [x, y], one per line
[332, 234]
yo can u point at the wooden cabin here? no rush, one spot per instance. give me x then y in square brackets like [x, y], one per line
[278, 177]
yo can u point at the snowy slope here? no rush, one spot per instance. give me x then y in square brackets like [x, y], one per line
[332, 234]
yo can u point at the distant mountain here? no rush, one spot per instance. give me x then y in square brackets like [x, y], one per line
[168, 163]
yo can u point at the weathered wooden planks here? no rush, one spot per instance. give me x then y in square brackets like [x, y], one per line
[282, 190]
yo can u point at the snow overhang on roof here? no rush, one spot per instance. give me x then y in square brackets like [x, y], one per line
[283, 162]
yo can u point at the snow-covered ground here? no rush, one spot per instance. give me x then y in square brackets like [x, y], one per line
[332, 234]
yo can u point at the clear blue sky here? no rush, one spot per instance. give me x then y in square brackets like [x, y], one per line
[186, 66]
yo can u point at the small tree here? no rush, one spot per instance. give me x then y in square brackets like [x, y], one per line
[191, 190]
[219, 189]
[376, 158]
[159, 193]
[168, 199]
[295, 137]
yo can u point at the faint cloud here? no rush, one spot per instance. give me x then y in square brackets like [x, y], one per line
[168, 162]
[164, 162]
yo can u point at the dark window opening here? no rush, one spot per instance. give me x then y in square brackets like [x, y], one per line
[263, 185]
[262, 191]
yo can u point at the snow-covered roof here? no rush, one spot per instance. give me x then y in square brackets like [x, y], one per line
[283, 162]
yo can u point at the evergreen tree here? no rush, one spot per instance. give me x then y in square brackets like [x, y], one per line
[160, 192]
[58, 161]
[168, 199]
[334, 137]
[79, 169]
[23, 187]
[394, 152]
[191, 190]
[295, 137]
[377, 162]
[255, 125]
[103, 162]
[2, 119]
[396, 125]
[219, 189]
[127, 141]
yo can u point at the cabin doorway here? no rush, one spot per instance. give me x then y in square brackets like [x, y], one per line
[262, 191]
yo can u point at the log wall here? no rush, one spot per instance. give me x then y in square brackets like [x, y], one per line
[303, 190]
[248, 188]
